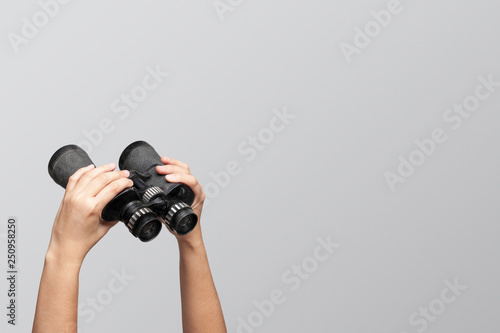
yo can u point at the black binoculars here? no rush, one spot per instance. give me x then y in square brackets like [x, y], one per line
[143, 207]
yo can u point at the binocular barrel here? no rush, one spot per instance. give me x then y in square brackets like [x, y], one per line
[126, 206]
[66, 161]
[143, 206]
[143, 158]
[140, 156]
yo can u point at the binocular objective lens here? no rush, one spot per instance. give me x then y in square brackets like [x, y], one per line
[149, 230]
[185, 222]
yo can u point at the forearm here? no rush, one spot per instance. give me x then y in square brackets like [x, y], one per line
[57, 305]
[201, 309]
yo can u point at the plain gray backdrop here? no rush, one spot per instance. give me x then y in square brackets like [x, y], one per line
[418, 256]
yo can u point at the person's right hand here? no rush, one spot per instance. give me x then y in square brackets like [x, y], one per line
[78, 225]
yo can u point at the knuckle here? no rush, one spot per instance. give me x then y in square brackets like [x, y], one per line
[73, 178]
[114, 186]
[124, 182]
[87, 175]
[105, 177]
[189, 179]
[94, 207]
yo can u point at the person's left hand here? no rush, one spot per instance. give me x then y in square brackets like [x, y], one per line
[178, 172]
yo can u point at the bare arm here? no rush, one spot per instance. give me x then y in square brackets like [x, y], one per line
[77, 228]
[56, 309]
[201, 308]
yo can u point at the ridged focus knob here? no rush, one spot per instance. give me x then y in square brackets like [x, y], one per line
[151, 193]
[138, 214]
[174, 209]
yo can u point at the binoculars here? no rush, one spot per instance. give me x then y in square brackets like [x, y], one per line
[144, 207]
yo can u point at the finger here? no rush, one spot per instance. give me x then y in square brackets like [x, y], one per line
[168, 169]
[88, 176]
[102, 180]
[111, 190]
[189, 180]
[171, 161]
[76, 177]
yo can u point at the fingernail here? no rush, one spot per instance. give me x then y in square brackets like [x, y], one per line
[111, 165]
[126, 173]
[91, 166]
[170, 177]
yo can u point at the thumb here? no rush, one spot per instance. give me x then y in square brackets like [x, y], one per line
[108, 225]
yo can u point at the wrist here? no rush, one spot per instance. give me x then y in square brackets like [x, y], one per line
[62, 268]
[191, 241]
[66, 257]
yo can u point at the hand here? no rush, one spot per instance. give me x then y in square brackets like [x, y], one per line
[78, 225]
[178, 172]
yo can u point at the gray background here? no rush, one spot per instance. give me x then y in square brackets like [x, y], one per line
[321, 176]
